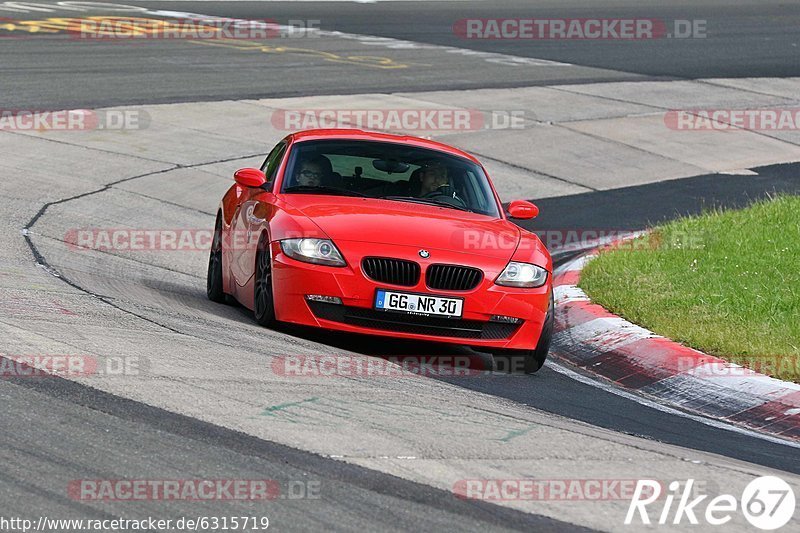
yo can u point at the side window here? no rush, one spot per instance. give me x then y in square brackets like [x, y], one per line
[273, 161]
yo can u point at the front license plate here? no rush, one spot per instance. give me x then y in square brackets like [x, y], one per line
[418, 304]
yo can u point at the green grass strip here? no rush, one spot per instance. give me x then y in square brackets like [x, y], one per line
[724, 282]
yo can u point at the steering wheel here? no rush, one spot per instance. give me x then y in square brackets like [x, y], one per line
[448, 192]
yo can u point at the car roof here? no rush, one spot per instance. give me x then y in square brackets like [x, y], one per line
[362, 135]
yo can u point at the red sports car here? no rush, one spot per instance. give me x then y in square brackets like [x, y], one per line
[383, 235]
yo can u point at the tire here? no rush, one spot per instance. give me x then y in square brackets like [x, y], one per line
[530, 361]
[263, 302]
[214, 278]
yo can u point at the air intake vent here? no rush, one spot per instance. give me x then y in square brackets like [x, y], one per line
[418, 325]
[453, 277]
[394, 271]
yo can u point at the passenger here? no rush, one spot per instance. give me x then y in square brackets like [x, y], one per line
[313, 171]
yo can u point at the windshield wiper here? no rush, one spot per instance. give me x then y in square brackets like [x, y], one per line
[323, 189]
[426, 201]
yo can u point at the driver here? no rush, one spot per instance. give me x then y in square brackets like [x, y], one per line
[310, 172]
[433, 177]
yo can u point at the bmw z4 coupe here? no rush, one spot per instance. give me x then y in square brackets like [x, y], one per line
[384, 235]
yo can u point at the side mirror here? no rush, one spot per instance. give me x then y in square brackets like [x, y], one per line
[522, 210]
[249, 177]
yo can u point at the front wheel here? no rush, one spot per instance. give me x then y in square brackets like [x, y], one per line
[530, 361]
[214, 277]
[263, 303]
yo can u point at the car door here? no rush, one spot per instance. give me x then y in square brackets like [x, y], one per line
[250, 217]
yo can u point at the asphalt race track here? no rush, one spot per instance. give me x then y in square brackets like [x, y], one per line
[384, 455]
[745, 39]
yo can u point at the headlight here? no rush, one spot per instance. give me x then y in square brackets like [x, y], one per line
[318, 251]
[522, 275]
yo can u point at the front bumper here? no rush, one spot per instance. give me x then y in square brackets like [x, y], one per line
[293, 280]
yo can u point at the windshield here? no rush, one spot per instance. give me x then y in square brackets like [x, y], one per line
[390, 171]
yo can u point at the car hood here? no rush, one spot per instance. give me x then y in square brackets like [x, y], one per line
[372, 220]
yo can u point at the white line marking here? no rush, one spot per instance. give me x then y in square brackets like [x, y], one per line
[568, 293]
[665, 409]
[739, 172]
[743, 380]
[604, 334]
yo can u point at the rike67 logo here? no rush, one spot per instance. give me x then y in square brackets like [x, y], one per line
[767, 502]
